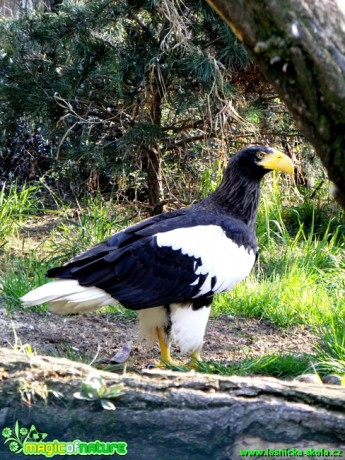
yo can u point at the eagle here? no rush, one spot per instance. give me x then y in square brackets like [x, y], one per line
[170, 266]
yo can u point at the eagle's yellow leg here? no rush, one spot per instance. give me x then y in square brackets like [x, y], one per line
[165, 352]
[165, 348]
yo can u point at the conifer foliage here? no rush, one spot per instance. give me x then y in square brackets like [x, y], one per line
[117, 90]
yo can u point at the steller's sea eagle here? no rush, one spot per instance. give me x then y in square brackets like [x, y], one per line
[170, 266]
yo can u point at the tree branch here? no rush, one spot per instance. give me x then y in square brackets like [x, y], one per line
[188, 140]
[299, 46]
[184, 125]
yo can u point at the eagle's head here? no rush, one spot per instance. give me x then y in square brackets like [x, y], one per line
[255, 161]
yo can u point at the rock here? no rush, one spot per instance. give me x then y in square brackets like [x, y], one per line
[309, 378]
[332, 379]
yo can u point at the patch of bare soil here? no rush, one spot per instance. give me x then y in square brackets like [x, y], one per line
[95, 336]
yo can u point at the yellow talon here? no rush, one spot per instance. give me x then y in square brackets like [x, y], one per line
[160, 364]
[196, 355]
[194, 358]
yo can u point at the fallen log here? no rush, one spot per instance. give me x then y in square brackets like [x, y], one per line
[169, 415]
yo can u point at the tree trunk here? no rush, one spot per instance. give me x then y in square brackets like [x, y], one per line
[299, 46]
[154, 181]
[154, 157]
[170, 415]
[16, 8]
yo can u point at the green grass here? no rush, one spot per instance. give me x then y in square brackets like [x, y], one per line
[96, 221]
[273, 365]
[331, 351]
[16, 203]
[22, 275]
[279, 366]
[287, 296]
[299, 278]
[120, 311]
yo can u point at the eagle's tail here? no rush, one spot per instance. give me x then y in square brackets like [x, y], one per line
[68, 296]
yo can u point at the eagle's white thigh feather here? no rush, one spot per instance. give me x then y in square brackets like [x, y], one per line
[188, 327]
[149, 320]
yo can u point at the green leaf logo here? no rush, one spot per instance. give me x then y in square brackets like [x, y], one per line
[16, 437]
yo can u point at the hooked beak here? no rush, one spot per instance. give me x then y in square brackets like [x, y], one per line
[277, 161]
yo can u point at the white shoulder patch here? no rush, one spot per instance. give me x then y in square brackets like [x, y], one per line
[220, 256]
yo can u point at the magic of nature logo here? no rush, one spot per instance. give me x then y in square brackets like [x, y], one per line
[30, 441]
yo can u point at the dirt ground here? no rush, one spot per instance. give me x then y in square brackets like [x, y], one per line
[97, 337]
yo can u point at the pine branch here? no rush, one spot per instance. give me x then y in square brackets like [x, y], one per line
[185, 126]
[188, 140]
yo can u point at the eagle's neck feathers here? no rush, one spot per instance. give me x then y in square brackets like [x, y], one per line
[237, 196]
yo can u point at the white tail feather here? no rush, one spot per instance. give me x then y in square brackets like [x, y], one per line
[68, 296]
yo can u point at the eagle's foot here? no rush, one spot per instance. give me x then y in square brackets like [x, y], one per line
[166, 360]
[167, 364]
[195, 358]
[192, 363]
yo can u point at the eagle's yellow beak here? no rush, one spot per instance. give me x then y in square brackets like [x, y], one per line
[277, 161]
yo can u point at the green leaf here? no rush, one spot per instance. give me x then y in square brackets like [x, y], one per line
[114, 391]
[16, 429]
[10, 439]
[108, 405]
[93, 388]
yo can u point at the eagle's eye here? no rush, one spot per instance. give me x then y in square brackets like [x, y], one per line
[260, 155]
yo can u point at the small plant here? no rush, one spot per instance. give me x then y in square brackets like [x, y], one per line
[95, 389]
[210, 179]
[19, 346]
[74, 354]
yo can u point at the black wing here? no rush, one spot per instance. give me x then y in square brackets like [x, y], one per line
[139, 273]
